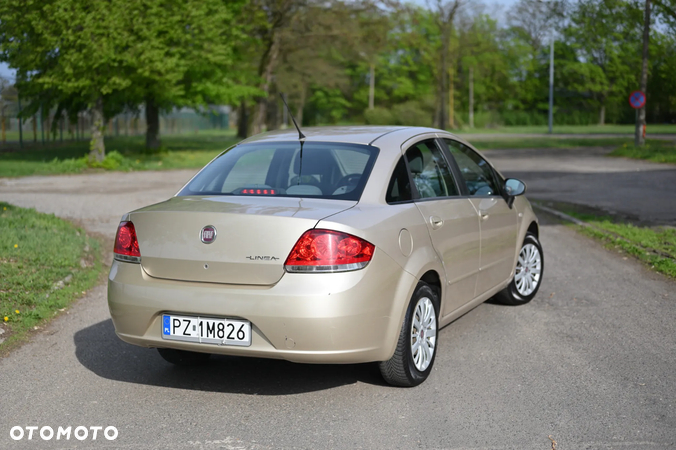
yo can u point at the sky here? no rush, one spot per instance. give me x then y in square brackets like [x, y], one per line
[6, 72]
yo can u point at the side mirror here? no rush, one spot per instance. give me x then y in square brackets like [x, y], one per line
[514, 187]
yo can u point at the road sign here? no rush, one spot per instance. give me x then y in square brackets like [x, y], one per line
[637, 99]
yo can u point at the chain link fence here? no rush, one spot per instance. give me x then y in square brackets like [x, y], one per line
[46, 128]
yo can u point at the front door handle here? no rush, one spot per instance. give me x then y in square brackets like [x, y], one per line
[436, 222]
[484, 216]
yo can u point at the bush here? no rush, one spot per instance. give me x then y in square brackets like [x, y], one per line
[379, 116]
[412, 114]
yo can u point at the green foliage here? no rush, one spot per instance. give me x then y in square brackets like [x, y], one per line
[654, 246]
[45, 264]
[379, 116]
[656, 151]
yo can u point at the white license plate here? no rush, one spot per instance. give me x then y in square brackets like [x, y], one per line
[206, 330]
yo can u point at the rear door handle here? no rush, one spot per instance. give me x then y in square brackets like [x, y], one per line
[484, 216]
[436, 222]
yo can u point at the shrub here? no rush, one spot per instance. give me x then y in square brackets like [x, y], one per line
[379, 116]
[412, 113]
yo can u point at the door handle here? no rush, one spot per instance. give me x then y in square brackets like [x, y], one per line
[484, 216]
[436, 222]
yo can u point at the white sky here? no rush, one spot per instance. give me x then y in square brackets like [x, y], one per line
[495, 7]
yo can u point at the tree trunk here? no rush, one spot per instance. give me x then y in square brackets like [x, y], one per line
[242, 121]
[301, 105]
[152, 125]
[639, 139]
[372, 86]
[442, 116]
[471, 97]
[265, 71]
[602, 115]
[97, 147]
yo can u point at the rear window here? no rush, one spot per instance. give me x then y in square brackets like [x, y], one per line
[325, 170]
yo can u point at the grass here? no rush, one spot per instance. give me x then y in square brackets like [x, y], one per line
[654, 246]
[656, 151]
[45, 264]
[124, 153]
[570, 129]
[545, 142]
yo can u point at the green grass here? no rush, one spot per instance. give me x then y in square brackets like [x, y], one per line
[545, 142]
[125, 153]
[570, 129]
[37, 251]
[656, 151]
[654, 246]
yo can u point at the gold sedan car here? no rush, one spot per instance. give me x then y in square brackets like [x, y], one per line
[353, 244]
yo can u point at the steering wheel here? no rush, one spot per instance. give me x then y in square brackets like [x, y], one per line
[349, 180]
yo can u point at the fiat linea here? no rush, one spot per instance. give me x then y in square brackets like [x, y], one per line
[343, 245]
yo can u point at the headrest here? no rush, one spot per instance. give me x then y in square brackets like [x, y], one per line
[415, 160]
[303, 189]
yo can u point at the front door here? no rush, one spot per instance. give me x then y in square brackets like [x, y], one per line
[498, 221]
[452, 221]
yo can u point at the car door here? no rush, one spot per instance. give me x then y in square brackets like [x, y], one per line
[452, 221]
[498, 221]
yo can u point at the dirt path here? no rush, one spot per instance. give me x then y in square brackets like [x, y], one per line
[96, 201]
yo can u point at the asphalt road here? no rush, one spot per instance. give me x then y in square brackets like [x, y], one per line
[590, 361]
[637, 190]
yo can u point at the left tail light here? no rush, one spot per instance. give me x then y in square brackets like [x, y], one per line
[328, 251]
[126, 244]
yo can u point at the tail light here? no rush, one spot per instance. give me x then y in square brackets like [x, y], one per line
[329, 251]
[126, 244]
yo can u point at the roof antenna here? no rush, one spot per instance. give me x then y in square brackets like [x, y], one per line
[301, 136]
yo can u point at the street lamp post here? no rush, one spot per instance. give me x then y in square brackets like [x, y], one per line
[551, 85]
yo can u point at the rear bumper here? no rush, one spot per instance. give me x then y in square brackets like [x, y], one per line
[312, 318]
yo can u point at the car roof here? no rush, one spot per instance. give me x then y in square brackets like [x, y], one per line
[354, 134]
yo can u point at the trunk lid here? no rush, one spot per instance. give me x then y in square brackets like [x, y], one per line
[254, 235]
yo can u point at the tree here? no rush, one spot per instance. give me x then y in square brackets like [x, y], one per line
[66, 49]
[602, 34]
[106, 54]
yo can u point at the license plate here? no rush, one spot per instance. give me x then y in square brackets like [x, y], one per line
[206, 330]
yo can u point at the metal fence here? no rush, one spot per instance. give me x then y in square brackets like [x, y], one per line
[47, 128]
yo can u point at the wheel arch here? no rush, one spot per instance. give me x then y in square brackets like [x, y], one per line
[534, 228]
[433, 279]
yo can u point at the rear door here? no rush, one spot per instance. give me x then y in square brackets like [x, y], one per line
[452, 221]
[498, 220]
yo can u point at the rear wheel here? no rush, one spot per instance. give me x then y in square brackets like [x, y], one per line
[183, 357]
[414, 356]
[530, 267]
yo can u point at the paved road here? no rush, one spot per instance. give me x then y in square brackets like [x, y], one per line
[590, 361]
[488, 136]
[638, 190]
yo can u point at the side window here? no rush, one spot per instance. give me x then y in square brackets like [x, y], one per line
[478, 174]
[399, 189]
[429, 170]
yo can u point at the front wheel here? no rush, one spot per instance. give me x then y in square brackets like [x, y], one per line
[530, 267]
[414, 356]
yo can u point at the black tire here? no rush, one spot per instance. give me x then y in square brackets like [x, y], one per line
[183, 357]
[511, 295]
[401, 370]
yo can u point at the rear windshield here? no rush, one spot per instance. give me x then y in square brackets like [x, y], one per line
[325, 170]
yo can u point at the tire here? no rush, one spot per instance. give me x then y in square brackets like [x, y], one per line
[183, 357]
[408, 367]
[523, 290]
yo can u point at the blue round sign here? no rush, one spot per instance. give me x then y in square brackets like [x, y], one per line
[637, 99]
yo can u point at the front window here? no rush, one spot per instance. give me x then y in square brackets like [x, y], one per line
[324, 170]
